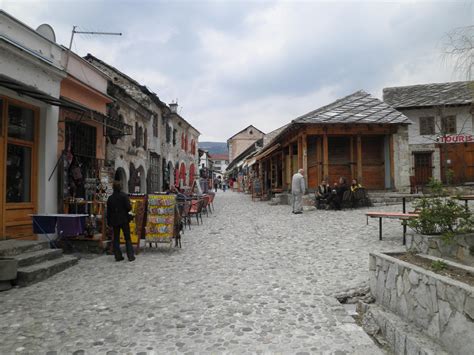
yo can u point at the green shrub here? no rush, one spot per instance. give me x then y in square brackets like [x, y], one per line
[438, 265]
[440, 215]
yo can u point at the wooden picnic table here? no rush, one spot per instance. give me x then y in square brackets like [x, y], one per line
[392, 215]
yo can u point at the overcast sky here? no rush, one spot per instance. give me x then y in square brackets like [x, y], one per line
[234, 63]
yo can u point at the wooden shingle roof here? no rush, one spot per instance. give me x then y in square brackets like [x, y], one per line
[359, 107]
[454, 93]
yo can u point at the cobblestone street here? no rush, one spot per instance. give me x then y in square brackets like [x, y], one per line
[252, 278]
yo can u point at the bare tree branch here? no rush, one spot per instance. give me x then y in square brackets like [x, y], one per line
[459, 47]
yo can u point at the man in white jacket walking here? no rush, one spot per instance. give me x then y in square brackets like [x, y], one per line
[298, 188]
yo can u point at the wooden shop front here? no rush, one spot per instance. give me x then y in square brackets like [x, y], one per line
[353, 137]
[331, 152]
[19, 133]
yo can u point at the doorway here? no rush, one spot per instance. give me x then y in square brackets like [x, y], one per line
[423, 167]
[18, 161]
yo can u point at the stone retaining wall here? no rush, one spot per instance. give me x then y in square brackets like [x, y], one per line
[460, 247]
[443, 308]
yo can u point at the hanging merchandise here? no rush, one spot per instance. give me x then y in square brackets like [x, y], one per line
[160, 218]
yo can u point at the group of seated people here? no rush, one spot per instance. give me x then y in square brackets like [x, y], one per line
[333, 197]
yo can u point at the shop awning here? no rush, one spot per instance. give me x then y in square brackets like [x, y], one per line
[267, 152]
[250, 162]
[34, 93]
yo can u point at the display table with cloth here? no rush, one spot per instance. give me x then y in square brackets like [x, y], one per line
[64, 225]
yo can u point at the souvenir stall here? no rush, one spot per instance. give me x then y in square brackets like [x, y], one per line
[137, 224]
[161, 220]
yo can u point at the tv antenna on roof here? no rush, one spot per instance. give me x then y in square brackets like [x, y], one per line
[74, 31]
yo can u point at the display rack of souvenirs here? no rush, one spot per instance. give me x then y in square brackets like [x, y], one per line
[138, 202]
[160, 218]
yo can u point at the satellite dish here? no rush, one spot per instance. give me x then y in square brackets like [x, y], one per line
[47, 32]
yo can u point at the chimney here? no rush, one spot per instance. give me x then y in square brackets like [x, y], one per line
[174, 107]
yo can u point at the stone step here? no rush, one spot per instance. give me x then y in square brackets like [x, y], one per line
[13, 247]
[401, 337]
[34, 273]
[36, 257]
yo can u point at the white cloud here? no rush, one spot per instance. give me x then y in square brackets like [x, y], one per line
[232, 64]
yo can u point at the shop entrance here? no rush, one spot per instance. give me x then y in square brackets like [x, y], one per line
[423, 167]
[83, 169]
[18, 161]
[459, 158]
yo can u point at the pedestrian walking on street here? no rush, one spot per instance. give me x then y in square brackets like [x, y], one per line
[216, 185]
[118, 206]
[298, 188]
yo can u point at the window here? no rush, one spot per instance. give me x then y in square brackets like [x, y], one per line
[21, 123]
[18, 173]
[140, 137]
[82, 139]
[154, 173]
[168, 134]
[175, 131]
[155, 126]
[145, 139]
[19, 163]
[448, 124]
[427, 126]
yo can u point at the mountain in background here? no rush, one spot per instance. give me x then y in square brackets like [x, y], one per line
[214, 147]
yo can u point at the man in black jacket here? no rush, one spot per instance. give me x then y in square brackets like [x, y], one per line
[118, 206]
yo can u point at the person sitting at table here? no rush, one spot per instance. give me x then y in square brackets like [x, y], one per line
[355, 185]
[358, 194]
[322, 193]
[118, 217]
[337, 194]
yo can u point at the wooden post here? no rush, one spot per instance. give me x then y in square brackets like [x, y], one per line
[283, 169]
[359, 158]
[352, 158]
[325, 157]
[319, 161]
[291, 160]
[300, 152]
[392, 163]
[304, 142]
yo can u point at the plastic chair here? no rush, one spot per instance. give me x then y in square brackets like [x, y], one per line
[196, 210]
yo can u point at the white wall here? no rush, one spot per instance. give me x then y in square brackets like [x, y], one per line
[32, 72]
[419, 143]
[464, 123]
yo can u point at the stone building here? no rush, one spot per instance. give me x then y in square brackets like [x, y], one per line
[242, 140]
[441, 138]
[220, 163]
[162, 149]
[357, 136]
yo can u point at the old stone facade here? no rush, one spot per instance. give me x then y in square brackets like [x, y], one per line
[242, 140]
[162, 148]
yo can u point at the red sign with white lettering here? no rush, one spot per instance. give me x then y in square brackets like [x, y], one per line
[456, 138]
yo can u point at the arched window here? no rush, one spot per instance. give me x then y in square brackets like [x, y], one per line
[182, 174]
[191, 174]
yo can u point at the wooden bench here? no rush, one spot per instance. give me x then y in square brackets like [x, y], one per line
[392, 215]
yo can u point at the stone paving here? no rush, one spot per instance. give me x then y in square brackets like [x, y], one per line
[253, 279]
